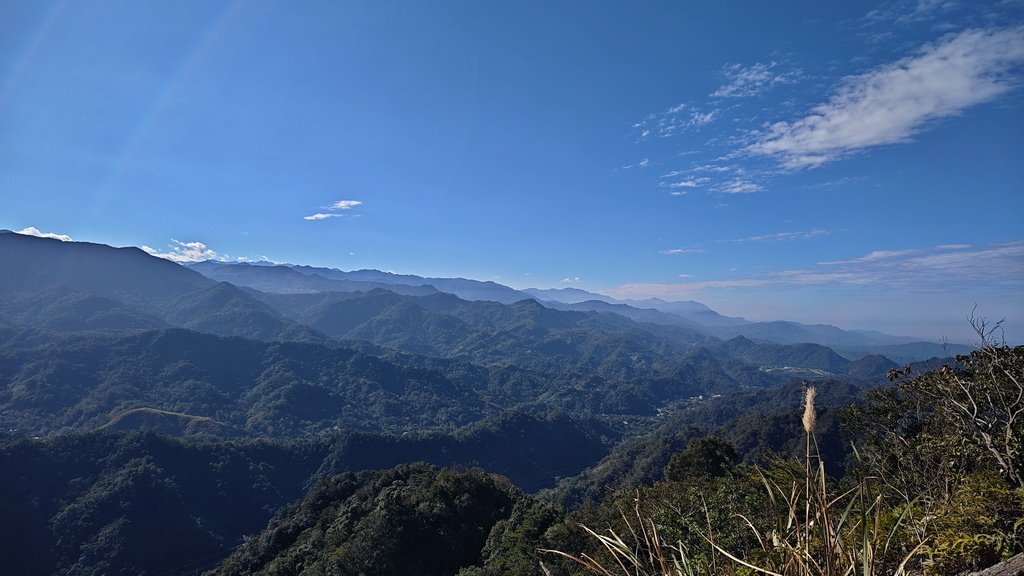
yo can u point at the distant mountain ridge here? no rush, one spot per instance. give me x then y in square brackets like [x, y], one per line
[78, 286]
[84, 287]
[289, 278]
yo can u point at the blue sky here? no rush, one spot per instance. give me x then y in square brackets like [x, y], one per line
[815, 161]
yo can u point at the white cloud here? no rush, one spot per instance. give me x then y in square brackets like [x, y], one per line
[783, 236]
[33, 231]
[740, 187]
[320, 216]
[184, 252]
[691, 183]
[891, 103]
[673, 251]
[334, 207]
[345, 204]
[643, 163]
[752, 80]
[702, 118]
[718, 168]
[573, 279]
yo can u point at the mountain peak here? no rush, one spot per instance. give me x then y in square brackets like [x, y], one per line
[528, 303]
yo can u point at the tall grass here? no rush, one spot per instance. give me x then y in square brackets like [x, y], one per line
[813, 529]
[642, 552]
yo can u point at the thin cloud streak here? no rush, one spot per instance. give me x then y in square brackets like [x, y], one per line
[740, 187]
[935, 269]
[880, 255]
[782, 236]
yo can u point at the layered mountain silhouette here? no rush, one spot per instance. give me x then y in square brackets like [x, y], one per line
[290, 279]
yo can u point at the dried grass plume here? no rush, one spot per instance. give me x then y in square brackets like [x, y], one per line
[809, 418]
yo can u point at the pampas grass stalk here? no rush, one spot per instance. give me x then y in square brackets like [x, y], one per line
[808, 421]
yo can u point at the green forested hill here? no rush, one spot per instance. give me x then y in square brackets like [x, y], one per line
[410, 520]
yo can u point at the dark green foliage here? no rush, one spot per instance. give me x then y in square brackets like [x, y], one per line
[49, 383]
[93, 503]
[280, 389]
[634, 462]
[533, 452]
[512, 547]
[706, 457]
[410, 520]
[139, 503]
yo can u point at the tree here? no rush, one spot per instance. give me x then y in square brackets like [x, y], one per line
[704, 457]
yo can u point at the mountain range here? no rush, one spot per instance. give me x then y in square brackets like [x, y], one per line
[95, 336]
[290, 279]
[144, 402]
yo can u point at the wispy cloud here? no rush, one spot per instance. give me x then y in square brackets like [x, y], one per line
[698, 118]
[935, 269]
[345, 204]
[910, 11]
[674, 251]
[33, 231]
[689, 183]
[332, 210]
[573, 279]
[738, 186]
[674, 120]
[802, 235]
[891, 103]
[184, 252]
[880, 255]
[745, 81]
[320, 216]
[718, 168]
[643, 163]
